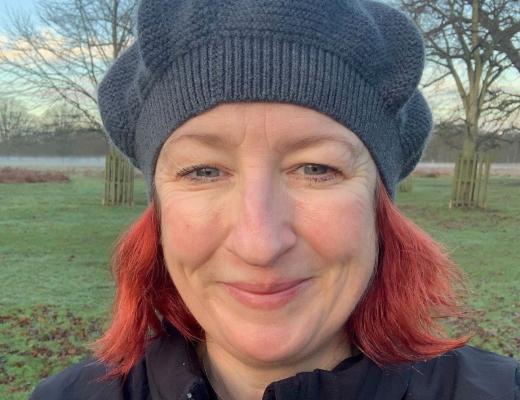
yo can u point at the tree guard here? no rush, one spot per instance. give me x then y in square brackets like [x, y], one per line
[119, 180]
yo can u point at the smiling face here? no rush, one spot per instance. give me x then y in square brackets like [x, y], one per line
[268, 227]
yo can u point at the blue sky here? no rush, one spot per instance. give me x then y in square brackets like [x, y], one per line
[16, 6]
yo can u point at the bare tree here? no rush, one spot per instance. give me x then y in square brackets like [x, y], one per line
[470, 41]
[65, 53]
[465, 40]
[67, 50]
[504, 30]
[14, 119]
[63, 119]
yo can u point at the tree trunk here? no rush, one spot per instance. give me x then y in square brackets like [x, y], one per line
[465, 177]
[469, 146]
[119, 173]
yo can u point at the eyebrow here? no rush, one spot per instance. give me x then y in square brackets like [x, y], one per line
[295, 144]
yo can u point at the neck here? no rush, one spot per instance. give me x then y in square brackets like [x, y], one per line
[236, 379]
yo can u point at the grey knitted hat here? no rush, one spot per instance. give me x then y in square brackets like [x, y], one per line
[359, 62]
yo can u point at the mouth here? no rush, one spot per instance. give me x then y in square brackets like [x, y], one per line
[267, 296]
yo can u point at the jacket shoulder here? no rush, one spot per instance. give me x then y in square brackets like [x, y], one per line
[467, 373]
[81, 381]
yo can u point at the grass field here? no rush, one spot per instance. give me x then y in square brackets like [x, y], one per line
[56, 289]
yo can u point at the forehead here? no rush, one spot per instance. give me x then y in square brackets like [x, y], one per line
[284, 126]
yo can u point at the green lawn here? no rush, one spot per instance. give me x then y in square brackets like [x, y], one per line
[56, 289]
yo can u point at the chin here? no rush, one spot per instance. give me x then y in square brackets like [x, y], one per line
[269, 342]
[281, 335]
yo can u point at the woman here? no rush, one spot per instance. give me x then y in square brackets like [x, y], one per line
[271, 262]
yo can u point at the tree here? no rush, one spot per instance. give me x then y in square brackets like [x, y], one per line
[65, 55]
[14, 119]
[503, 29]
[63, 119]
[457, 41]
[469, 41]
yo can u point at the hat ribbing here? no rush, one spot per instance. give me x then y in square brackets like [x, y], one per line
[357, 61]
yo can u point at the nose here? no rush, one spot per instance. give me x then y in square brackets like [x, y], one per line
[261, 230]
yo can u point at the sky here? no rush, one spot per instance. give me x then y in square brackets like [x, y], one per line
[27, 4]
[443, 96]
[16, 6]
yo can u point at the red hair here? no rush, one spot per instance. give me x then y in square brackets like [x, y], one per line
[414, 286]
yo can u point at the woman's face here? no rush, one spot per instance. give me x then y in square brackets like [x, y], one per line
[268, 226]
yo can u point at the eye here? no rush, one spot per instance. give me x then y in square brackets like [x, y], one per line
[203, 173]
[319, 172]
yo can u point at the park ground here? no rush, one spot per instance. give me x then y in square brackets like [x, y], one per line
[56, 288]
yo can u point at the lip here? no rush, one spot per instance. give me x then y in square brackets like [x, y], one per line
[266, 296]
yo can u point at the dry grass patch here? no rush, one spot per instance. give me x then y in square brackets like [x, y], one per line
[21, 175]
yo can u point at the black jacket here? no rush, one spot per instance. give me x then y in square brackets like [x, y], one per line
[170, 370]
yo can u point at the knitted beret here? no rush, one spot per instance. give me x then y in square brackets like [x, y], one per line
[357, 61]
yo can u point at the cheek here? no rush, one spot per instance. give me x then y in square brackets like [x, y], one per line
[185, 227]
[341, 227]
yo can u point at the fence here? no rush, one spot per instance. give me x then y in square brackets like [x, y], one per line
[406, 185]
[119, 180]
[471, 181]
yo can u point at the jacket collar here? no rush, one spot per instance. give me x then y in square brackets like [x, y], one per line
[173, 369]
[174, 373]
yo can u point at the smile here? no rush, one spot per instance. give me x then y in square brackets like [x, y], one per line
[266, 297]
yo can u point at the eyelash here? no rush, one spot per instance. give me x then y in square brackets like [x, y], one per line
[183, 173]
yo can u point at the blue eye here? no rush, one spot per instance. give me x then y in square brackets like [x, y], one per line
[209, 173]
[202, 172]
